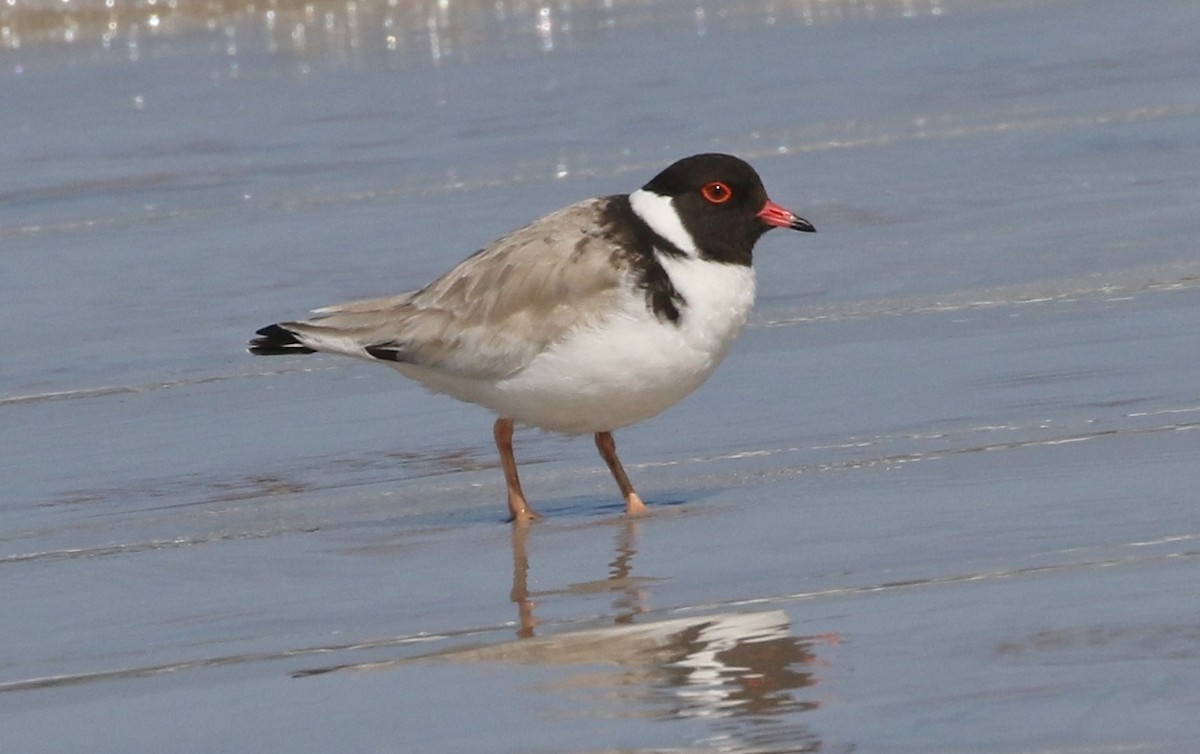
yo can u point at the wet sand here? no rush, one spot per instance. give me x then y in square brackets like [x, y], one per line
[940, 497]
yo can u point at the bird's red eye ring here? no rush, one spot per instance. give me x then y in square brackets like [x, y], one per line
[716, 192]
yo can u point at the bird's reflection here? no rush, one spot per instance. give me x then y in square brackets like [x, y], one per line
[520, 582]
[629, 590]
[732, 666]
[742, 673]
[630, 596]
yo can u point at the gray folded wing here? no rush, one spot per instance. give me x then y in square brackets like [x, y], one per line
[493, 313]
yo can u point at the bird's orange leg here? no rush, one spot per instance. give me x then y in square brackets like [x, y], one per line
[519, 510]
[608, 451]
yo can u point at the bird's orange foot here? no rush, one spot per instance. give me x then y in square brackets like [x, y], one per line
[521, 513]
[634, 505]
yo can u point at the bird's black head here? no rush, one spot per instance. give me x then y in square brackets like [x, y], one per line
[721, 202]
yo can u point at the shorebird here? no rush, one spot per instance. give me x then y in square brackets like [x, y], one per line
[592, 318]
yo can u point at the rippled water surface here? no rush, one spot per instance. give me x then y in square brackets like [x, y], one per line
[940, 498]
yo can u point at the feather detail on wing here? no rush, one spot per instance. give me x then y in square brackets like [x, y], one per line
[489, 316]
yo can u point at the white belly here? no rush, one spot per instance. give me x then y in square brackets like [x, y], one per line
[629, 367]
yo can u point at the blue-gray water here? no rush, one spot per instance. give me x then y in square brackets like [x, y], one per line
[940, 498]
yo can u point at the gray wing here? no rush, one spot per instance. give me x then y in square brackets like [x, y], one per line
[494, 312]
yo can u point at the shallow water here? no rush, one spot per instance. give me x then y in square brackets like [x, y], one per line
[941, 497]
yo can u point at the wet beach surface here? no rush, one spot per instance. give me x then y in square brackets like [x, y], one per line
[941, 497]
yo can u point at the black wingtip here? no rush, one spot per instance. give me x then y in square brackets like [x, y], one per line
[276, 340]
[386, 352]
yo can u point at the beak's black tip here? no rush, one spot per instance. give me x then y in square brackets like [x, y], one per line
[799, 223]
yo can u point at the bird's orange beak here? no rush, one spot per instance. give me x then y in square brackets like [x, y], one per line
[775, 215]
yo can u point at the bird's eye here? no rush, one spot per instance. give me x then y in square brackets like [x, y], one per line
[716, 192]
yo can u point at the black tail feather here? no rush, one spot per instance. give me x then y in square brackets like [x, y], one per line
[277, 341]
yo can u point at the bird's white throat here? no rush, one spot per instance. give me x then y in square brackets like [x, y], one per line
[659, 213]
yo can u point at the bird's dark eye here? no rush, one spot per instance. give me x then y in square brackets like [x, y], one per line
[716, 192]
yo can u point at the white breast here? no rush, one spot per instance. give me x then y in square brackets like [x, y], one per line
[719, 298]
[631, 365]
